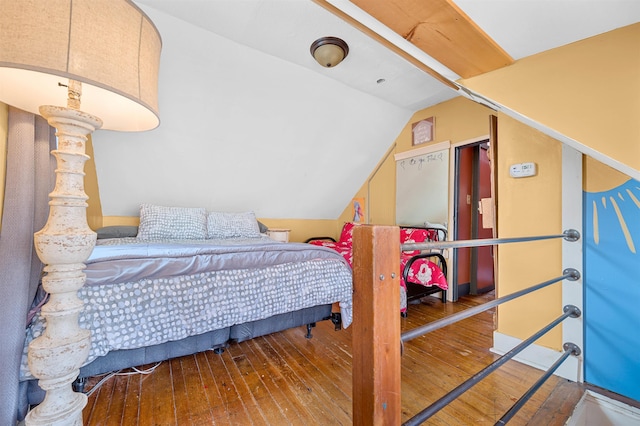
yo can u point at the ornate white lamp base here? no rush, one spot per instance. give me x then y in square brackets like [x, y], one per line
[63, 245]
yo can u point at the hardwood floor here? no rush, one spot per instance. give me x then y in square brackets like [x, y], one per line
[284, 378]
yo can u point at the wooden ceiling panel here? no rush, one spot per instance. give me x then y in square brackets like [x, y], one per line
[443, 31]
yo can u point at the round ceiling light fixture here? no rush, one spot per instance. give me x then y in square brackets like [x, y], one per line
[329, 51]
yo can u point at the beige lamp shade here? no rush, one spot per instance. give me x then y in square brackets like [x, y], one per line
[329, 51]
[110, 46]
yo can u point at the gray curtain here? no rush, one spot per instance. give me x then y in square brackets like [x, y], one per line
[29, 180]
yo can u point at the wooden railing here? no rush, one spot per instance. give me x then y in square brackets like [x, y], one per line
[376, 326]
[376, 332]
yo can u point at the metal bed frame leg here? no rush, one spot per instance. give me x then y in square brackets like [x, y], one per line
[309, 327]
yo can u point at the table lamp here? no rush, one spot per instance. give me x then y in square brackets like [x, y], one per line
[100, 58]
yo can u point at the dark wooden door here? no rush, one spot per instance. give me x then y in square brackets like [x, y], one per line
[484, 273]
[474, 266]
[463, 216]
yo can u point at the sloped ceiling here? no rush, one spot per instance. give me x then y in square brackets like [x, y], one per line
[250, 121]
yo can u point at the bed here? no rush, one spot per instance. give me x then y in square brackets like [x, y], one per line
[421, 273]
[172, 290]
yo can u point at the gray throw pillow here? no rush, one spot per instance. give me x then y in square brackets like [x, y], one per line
[118, 231]
[232, 225]
[172, 223]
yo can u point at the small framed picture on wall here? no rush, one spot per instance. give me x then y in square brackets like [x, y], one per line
[423, 131]
[357, 210]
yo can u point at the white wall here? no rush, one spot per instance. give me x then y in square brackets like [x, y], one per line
[244, 130]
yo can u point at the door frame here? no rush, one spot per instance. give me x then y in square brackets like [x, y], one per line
[450, 254]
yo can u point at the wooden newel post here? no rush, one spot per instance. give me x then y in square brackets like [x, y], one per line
[376, 326]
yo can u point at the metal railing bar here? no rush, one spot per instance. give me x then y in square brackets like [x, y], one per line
[569, 235]
[569, 311]
[569, 349]
[569, 273]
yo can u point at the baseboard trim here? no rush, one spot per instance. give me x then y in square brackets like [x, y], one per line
[539, 357]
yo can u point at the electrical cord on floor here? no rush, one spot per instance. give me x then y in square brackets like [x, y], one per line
[119, 373]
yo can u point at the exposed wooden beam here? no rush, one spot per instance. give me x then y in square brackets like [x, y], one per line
[443, 31]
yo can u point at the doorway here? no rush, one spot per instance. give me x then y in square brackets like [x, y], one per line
[473, 218]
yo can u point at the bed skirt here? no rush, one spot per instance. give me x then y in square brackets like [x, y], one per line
[31, 394]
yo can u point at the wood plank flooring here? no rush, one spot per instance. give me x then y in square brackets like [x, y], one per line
[286, 379]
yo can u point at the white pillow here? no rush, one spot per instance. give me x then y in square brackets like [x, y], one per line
[232, 225]
[172, 223]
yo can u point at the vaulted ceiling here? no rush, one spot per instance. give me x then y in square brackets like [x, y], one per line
[250, 121]
[445, 39]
